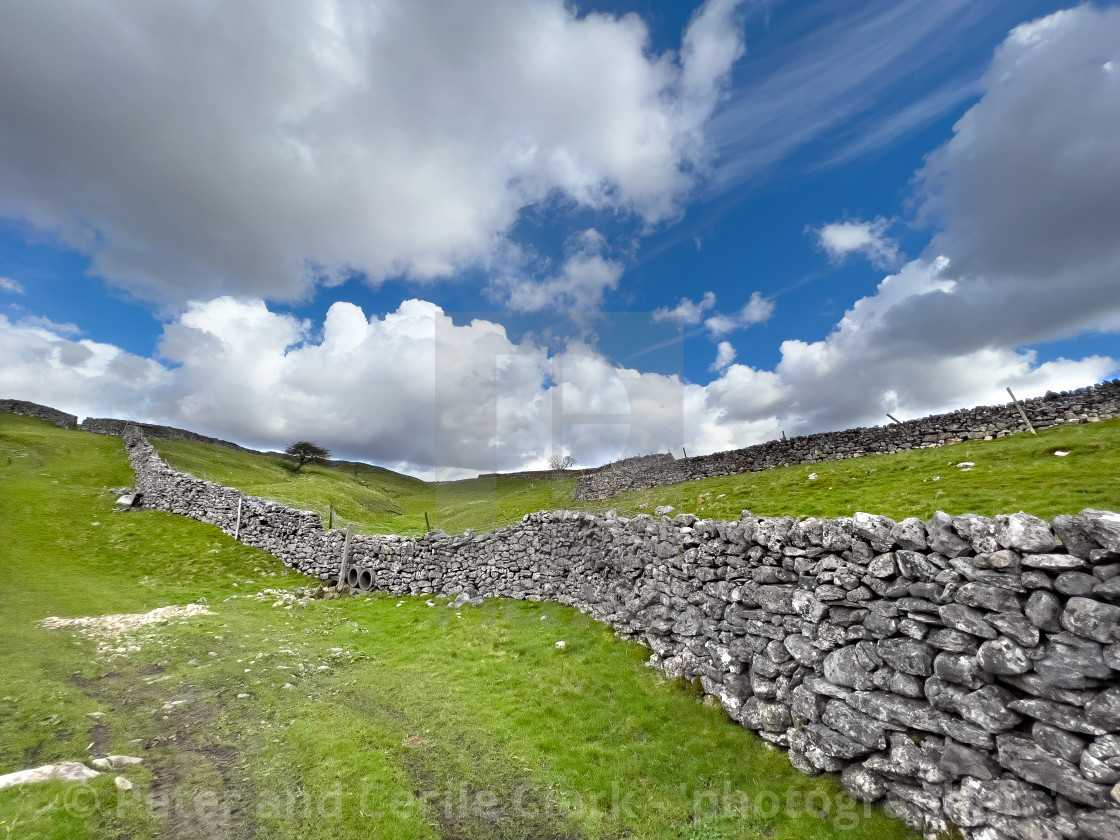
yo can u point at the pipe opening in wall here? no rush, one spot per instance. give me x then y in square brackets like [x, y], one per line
[365, 580]
[351, 577]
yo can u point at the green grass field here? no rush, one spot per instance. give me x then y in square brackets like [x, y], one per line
[1010, 474]
[353, 718]
[373, 499]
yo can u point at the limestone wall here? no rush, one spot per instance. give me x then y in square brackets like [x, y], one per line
[112, 426]
[1097, 402]
[43, 412]
[961, 670]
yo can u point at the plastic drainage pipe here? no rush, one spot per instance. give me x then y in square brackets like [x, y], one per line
[351, 577]
[365, 580]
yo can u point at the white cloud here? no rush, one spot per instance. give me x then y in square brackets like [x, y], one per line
[1026, 251]
[725, 355]
[757, 310]
[259, 148]
[1024, 194]
[45, 326]
[870, 364]
[414, 391]
[42, 364]
[584, 278]
[411, 389]
[9, 285]
[838, 239]
[686, 312]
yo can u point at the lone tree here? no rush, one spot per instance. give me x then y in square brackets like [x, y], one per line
[561, 462]
[307, 453]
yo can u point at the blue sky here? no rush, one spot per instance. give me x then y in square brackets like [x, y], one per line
[409, 231]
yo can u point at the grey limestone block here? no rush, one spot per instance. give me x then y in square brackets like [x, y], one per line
[1025, 533]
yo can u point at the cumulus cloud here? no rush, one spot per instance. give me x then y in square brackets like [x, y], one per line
[1023, 195]
[195, 149]
[686, 312]
[42, 362]
[584, 278]
[839, 239]
[757, 310]
[415, 391]
[10, 286]
[725, 355]
[410, 389]
[868, 366]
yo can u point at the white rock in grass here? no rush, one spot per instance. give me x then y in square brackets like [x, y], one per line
[813, 476]
[116, 762]
[65, 771]
[561, 645]
[1061, 453]
[123, 784]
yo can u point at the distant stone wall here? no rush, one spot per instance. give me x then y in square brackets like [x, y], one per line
[43, 412]
[1097, 402]
[111, 426]
[963, 670]
[539, 475]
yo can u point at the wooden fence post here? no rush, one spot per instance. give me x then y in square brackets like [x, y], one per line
[330, 517]
[344, 568]
[237, 527]
[895, 419]
[427, 524]
[1022, 413]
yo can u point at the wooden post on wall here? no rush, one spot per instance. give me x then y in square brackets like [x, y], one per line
[237, 527]
[427, 523]
[344, 567]
[330, 517]
[895, 419]
[1022, 413]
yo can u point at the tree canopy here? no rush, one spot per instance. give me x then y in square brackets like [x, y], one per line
[307, 453]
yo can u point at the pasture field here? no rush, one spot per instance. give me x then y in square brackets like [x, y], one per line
[279, 715]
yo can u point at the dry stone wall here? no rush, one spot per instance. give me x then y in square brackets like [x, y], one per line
[112, 426]
[1097, 402]
[962, 670]
[43, 412]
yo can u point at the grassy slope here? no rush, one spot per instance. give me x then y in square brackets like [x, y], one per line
[412, 701]
[1013, 473]
[376, 500]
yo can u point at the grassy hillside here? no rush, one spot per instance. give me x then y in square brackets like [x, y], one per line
[1014, 473]
[1010, 474]
[353, 718]
[374, 499]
